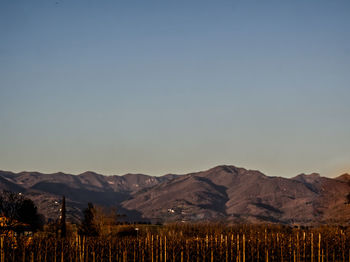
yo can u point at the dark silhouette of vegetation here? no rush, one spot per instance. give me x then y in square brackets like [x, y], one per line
[88, 226]
[19, 212]
[63, 218]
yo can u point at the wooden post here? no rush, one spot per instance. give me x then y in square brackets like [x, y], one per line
[160, 249]
[45, 257]
[134, 252]
[2, 249]
[265, 243]
[62, 251]
[281, 253]
[319, 247]
[157, 251]
[165, 249]
[232, 247]
[24, 254]
[110, 251]
[39, 255]
[243, 248]
[294, 258]
[226, 248]
[203, 251]
[312, 247]
[238, 255]
[152, 248]
[173, 254]
[197, 246]
[298, 248]
[343, 245]
[304, 251]
[55, 252]
[187, 251]
[125, 256]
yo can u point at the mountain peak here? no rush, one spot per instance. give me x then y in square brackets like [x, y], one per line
[308, 177]
[225, 168]
[344, 177]
[89, 173]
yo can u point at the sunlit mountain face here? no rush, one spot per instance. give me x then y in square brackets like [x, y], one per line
[223, 193]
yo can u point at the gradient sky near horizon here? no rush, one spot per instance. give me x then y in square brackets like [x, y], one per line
[162, 87]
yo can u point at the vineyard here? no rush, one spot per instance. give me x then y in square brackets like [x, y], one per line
[185, 243]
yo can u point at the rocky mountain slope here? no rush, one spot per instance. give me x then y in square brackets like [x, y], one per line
[223, 193]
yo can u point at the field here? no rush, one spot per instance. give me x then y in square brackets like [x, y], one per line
[189, 242]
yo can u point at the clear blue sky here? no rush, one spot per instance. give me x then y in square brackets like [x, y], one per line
[175, 86]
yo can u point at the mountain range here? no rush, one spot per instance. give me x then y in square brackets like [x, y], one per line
[224, 193]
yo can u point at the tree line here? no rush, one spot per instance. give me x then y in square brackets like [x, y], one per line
[19, 214]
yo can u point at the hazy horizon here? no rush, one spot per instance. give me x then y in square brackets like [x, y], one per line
[170, 173]
[161, 87]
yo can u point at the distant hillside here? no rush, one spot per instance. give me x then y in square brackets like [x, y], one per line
[223, 193]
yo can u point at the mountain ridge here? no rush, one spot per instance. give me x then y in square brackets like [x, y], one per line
[222, 193]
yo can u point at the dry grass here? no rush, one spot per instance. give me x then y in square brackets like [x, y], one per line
[203, 242]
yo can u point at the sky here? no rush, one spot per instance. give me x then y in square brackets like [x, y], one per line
[161, 87]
